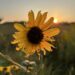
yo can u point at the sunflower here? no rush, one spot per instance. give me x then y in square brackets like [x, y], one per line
[35, 36]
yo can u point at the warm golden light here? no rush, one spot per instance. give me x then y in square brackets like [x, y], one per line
[55, 20]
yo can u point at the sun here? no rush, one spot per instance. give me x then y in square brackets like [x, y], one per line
[55, 20]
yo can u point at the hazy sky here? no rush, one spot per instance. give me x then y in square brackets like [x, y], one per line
[63, 10]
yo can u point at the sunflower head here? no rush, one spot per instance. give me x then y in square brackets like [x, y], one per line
[34, 36]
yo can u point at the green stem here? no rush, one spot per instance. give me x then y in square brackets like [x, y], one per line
[12, 61]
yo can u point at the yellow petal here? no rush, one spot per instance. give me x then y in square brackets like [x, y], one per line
[19, 35]
[17, 40]
[38, 18]
[51, 32]
[30, 50]
[49, 21]
[21, 45]
[46, 45]
[1, 68]
[49, 39]
[44, 51]
[41, 47]
[31, 19]
[17, 49]
[43, 18]
[19, 27]
[38, 49]
[48, 24]
[14, 42]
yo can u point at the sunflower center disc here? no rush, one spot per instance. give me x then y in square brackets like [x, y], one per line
[35, 35]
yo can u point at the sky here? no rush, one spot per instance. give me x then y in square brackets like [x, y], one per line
[16, 10]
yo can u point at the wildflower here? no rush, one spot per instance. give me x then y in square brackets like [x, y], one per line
[29, 65]
[34, 36]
